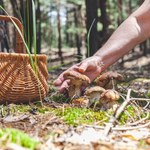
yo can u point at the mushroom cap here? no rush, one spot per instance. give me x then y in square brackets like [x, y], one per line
[76, 81]
[76, 76]
[94, 94]
[109, 96]
[110, 75]
[94, 89]
[104, 79]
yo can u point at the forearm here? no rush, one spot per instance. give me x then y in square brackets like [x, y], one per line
[132, 31]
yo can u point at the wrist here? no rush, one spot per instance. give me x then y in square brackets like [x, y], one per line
[103, 62]
[99, 60]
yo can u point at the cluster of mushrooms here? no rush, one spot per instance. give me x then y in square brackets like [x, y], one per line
[103, 92]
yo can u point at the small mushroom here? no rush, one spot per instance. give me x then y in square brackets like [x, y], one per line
[76, 81]
[109, 80]
[94, 94]
[108, 98]
[81, 102]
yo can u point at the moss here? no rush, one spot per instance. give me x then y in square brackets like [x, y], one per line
[125, 117]
[77, 116]
[9, 135]
[22, 108]
[45, 109]
[148, 94]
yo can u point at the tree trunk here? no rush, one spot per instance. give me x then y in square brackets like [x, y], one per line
[104, 21]
[67, 26]
[78, 40]
[120, 17]
[38, 14]
[4, 38]
[59, 34]
[91, 14]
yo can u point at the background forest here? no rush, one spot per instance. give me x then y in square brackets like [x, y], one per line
[67, 28]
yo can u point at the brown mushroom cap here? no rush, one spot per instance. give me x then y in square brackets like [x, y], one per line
[76, 81]
[95, 89]
[109, 95]
[105, 79]
[94, 94]
[78, 77]
[109, 98]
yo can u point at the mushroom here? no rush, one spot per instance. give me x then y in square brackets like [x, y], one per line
[76, 81]
[94, 94]
[108, 98]
[109, 80]
[81, 102]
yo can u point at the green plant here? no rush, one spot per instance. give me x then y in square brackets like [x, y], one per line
[77, 116]
[88, 38]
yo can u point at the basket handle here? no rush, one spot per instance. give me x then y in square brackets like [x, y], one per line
[20, 48]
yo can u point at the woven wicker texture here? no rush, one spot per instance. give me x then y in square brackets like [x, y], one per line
[18, 81]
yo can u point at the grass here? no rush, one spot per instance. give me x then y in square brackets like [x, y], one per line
[88, 38]
[33, 62]
[77, 116]
[9, 135]
[26, 46]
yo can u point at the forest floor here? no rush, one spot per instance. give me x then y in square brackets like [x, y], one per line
[57, 124]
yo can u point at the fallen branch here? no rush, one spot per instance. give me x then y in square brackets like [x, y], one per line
[120, 128]
[119, 111]
[116, 115]
[139, 121]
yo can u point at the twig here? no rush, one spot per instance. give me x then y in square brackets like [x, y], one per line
[139, 121]
[148, 103]
[119, 128]
[116, 115]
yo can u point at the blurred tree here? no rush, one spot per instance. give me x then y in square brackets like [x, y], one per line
[4, 40]
[59, 33]
[91, 14]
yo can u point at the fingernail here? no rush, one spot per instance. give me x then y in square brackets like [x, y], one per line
[81, 69]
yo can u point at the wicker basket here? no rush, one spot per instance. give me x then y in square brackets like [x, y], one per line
[18, 81]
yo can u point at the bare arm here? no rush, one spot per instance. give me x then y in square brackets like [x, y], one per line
[135, 29]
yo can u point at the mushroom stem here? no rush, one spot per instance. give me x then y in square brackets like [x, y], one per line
[77, 92]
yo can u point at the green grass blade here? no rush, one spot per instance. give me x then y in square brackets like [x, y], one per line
[20, 33]
[34, 27]
[28, 24]
[88, 38]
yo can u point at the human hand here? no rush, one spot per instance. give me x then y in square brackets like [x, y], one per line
[91, 67]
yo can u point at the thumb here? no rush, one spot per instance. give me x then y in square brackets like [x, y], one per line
[83, 67]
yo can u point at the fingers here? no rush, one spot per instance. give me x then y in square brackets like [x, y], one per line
[59, 80]
[83, 67]
[64, 86]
